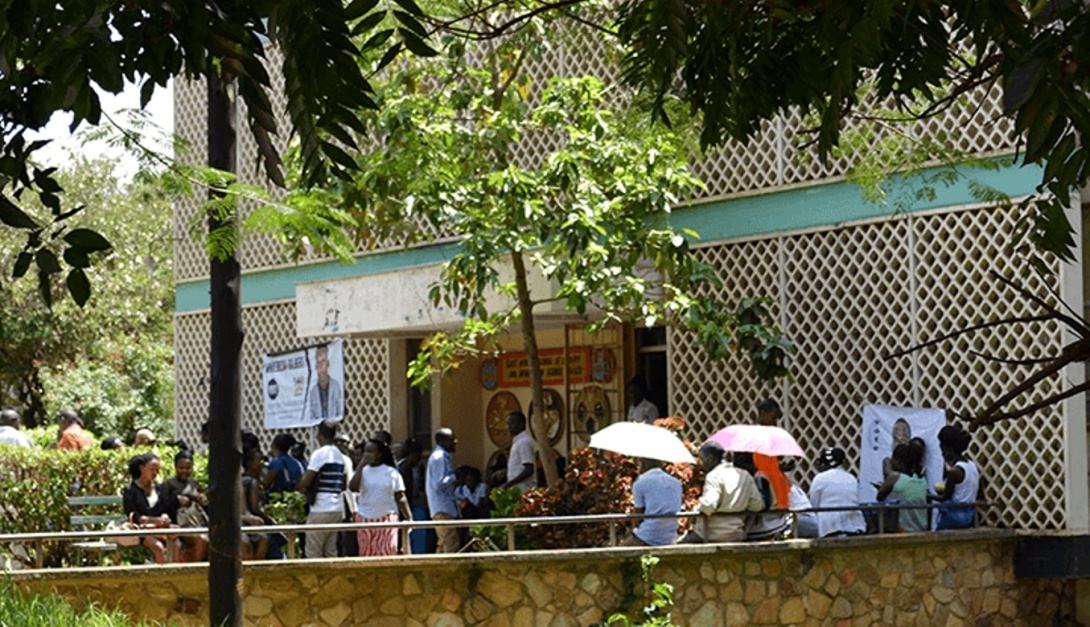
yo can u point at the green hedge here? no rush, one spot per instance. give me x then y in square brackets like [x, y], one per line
[36, 483]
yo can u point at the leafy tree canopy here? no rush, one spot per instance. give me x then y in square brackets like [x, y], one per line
[739, 63]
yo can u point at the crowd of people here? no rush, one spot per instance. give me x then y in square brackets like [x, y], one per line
[745, 496]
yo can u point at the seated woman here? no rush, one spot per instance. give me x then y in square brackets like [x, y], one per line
[186, 505]
[962, 482]
[472, 493]
[255, 546]
[145, 504]
[835, 487]
[906, 483]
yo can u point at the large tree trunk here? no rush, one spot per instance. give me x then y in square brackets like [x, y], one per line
[225, 405]
[533, 359]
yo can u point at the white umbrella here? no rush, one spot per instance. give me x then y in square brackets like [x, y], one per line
[639, 439]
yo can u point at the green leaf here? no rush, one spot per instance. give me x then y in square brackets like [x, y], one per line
[359, 8]
[47, 261]
[78, 286]
[87, 240]
[13, 216]
[417, 45]
[22, 264]
[76, 258]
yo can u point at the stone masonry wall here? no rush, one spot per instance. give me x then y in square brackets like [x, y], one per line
[961, 578]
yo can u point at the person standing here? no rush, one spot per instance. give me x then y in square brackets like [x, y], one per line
[727, 490]
[412, 469]
[769, 415]
[520, 463]
[325, 477]
[655, 493]
[381, 498]
[640, 409]
[834, 486]
[440, 484]
[72, 437]
[9, 430]
[283, 471]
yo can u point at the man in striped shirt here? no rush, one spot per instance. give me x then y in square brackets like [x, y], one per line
[325, 477]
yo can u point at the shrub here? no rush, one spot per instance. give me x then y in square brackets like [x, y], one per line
[598, 482]
[36, 484]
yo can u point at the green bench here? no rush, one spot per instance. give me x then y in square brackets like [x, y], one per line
[98, 547]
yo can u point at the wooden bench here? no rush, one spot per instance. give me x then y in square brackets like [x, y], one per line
[98, 547]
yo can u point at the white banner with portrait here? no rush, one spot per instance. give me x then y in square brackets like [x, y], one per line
[302, 388]
[884, 427]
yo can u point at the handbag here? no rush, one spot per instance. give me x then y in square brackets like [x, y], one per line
[123, 525]
[350, 506]
[192, 515]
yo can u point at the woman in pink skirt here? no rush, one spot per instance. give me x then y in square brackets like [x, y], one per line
[381, 498]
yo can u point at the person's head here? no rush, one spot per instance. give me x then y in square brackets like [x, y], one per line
[395, 450]
[445, 438]
[744, 460]
[144, 437]
[183, 464]
[112, 443]
[769, 413]
[384, 435]
[953, 441]
[343, 443]
[918, 442]
[67, 417]
[907, 458]
[516, 422]
[469, 476]
[9, 418]
[282, 443]
[327, 432]
[299, 452]
[376, 453]
[206, 431]
[273, 389]
[253, 462]
[712, 454]
[411, 450]
[902, 432]
[321, 362]
[636, 391]
[831, 457]
[144, 468]
[250, 439]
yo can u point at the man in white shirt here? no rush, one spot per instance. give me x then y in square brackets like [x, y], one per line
[640, 409]
[325, 476]
[727, 490]
[9, 429]
[520, 461]
[836, 487]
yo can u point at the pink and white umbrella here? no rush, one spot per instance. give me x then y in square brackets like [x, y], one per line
[762, 439]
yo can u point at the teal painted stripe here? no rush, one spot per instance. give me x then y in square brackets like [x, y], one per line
[833, 203]
[272, 285]
[788, 210]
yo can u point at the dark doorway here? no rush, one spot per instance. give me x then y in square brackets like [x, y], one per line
[419, 404]
[651, 366]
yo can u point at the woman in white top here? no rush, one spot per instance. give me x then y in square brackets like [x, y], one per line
[381, 497]
[836, 487]
[962, 481]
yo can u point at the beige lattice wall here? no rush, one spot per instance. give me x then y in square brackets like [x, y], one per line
[271, 328]
[781, 155]
[849, 296]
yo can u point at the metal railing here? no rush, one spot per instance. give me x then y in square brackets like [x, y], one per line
[292, 531]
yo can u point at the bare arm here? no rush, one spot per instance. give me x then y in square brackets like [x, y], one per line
[527, 471]
[887, 486]
[305, 481]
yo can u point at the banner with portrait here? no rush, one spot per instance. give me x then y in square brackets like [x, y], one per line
[303, 387]
[883, 428]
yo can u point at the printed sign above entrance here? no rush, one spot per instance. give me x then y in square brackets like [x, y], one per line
[515, 367]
